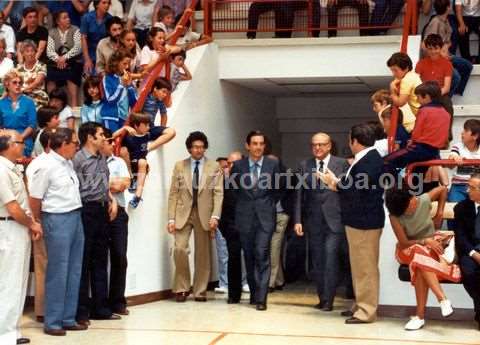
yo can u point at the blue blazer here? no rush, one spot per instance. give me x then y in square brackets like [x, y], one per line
[361, 195]
[260, 201]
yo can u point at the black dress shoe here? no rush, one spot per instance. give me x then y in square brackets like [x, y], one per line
[39, 319]
[354, 321]
[55, 332]
[327, 307]
[279, 287]
[23, 341]
[347, 313]
[261, 306]
[232, 300]
[84, 322]
[111, 317]
[271, 289]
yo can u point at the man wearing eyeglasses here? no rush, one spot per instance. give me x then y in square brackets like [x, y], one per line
[55, 199]
[317, 212]
[467, 240]
[15, 220]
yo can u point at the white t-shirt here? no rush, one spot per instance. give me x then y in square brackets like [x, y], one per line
[65, 114]
[142, 13]
[469, 7]
[462, 174]
[5, 66]
[146, 57]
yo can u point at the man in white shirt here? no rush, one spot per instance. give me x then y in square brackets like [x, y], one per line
[14, 238]
[7, 33]
[119, 181]
[55, 198]
[468, 16]
[39, 250]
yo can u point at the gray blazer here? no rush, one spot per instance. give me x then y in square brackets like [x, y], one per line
[317, 197]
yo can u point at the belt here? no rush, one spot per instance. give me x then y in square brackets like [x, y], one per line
[102, 203]
[6, 218]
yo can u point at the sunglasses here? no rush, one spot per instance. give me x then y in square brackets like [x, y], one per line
[16, 82]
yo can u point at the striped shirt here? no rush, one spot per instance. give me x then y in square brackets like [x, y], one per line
[462, 173]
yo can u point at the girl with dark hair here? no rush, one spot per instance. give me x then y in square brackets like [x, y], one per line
[92, 106]
[64, 51]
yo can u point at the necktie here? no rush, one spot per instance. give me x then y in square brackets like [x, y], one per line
[320, 166]
[255, 173]
[195, 184]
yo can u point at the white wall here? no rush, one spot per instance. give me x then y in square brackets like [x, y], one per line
[225, 112]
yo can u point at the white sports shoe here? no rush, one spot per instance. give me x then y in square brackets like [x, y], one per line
[245, 288]
[415, 323]
[221, 289]
[446, 308]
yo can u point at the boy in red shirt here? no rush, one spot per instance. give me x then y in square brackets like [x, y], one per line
[429, 134]
[437, 67]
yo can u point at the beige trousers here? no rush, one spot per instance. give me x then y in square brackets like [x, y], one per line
[364, 252]
[202, 246]
[40, 264]
[276, 274]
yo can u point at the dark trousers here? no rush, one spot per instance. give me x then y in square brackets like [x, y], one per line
[234, 248]
[471, 281]
[293, 6]
[416, 152]
[333, 15]
[473, 25]
[384, 14]
[328, 251]
[256, 9]
[462, 68]
[118, 240]
[95, 261]
[256, 249]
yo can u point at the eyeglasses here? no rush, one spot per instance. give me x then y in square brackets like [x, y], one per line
[16, 82]
[76, 142]
[19, 142]
[320, 144]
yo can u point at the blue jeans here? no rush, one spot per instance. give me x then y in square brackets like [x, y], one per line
[462, 68]
[222, 257]
[64, 242]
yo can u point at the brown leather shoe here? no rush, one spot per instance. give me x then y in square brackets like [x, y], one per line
[84, 322]
[55, 332]
[76, 327]
[181, 296]
[201, 299]
[40, 319]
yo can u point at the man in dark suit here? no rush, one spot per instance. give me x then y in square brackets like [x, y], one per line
[317, 211]
[467, 233]
[361, 201]
[256, 194]
[231, 235]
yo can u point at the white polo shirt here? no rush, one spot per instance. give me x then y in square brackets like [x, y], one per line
[12, 187]
[39, 161]
[56, 184]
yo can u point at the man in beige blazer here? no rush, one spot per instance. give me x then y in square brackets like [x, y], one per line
[194, 203]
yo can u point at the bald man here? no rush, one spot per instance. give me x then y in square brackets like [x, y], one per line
[317, 212]
[231, 235]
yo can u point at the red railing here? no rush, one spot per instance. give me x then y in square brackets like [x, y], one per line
[409, 27]
[221, 16]
[438, 162]
[187, 15]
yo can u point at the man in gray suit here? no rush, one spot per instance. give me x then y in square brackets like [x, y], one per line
[317, 212]
[256, 196]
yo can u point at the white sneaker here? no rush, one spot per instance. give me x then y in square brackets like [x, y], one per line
[245, 288]
[415, 323]
[446, 308]
[221, 289]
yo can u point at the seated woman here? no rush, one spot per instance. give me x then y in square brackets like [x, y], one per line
[6, 64]
[64, 52]
[33, 73]
[421, 247]
[17, 111]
